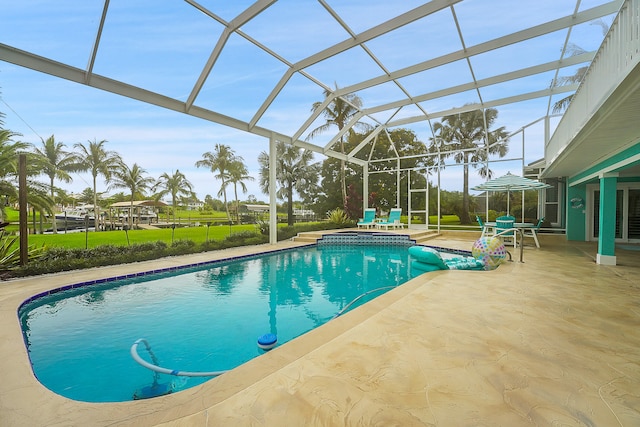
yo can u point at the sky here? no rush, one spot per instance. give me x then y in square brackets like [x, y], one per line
[164, 49]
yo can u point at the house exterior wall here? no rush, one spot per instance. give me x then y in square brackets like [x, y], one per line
[577, 188]
[576, 213]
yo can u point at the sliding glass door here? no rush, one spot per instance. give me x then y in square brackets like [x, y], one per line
[627, 213]
[633, 230]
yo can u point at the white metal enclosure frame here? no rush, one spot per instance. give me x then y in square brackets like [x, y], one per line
[410, 107]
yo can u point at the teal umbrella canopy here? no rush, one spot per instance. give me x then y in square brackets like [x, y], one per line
[510, 182]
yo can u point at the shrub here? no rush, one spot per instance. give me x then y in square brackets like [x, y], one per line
[263, 227]
[338, 217]
[61, 259]
[237, 237]
[182, 247]
[10, 252]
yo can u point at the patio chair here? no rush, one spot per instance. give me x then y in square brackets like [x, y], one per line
[369, 219]
[486, 230]
[505, 229]
[533, 231]
[392, 221]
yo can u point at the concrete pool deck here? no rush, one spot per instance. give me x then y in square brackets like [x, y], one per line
[551, 341]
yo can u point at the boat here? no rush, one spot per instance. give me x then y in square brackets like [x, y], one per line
[79, 216]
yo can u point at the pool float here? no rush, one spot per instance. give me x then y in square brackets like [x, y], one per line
[429, 259]
[490, 251]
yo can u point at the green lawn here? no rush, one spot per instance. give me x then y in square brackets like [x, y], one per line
[445, 219]
[215, 218]
[433, 219]
[119, 238]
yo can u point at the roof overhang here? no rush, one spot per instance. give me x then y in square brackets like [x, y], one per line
[612, 129]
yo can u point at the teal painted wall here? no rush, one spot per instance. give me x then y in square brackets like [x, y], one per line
[576, 222]
[606, 241]
[575, 218]
[629, 179]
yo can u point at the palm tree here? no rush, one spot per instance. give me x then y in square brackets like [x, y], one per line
[572, 50]
[219, 162]
[132, 179]
[561, 105]
[176, 184]
[293, 173]
[55, 162]
[464, 138]
[37, 193]
[88, 195]
[9, 151]
[238, 173]
[338, 113]
[98, 161]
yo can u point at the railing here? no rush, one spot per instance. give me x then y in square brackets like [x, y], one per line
[617, 56]
[346, 307]
[521, 233]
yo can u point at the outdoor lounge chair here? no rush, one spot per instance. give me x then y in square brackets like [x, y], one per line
[392, 221]
[533, 231]
[369, 219]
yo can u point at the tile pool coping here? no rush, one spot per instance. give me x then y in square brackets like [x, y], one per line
[421, 353]
[20, 386]
[404, 238]
[150, 272]
[78, 285]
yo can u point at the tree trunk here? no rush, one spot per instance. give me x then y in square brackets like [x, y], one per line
[343, 184]
[95, 204]
[290, 203]
[226, 205]
[54, 227]
[131, 213]
[235, 193]
[343, 178]
[174, 205]
[464, 215]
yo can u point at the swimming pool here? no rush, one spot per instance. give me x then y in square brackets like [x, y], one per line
[202, 318]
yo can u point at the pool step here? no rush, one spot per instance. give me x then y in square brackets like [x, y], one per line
[418, 236]
[424, 236]
[308, 237]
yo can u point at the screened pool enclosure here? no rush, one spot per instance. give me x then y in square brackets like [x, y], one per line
[258, 67]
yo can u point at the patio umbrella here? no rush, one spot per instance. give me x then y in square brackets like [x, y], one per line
[509, 183]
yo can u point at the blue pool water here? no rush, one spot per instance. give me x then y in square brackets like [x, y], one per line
[204, 318]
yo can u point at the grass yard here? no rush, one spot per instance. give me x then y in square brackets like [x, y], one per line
[445, 219]
[119, 237]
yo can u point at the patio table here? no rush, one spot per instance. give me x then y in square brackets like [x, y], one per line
[489, 229]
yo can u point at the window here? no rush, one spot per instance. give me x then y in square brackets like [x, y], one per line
[552, 197]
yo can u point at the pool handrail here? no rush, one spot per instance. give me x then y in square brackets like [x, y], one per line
[346, 307]
[518, 231]
[159, 369]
